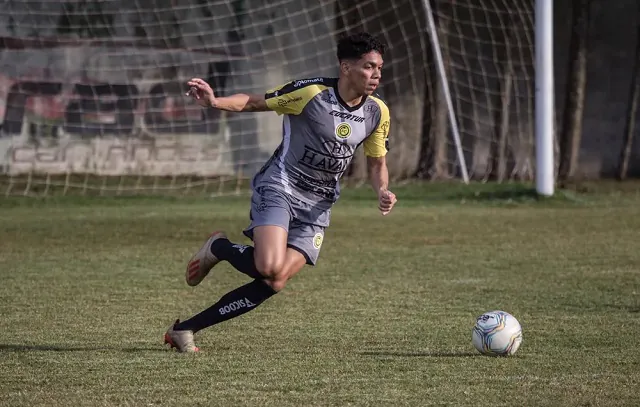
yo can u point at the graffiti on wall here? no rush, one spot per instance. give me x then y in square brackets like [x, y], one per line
[84, 126]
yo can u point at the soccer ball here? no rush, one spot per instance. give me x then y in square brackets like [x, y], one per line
[497, 333]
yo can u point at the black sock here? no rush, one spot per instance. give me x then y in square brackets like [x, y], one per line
[238, 255]
[233, 304]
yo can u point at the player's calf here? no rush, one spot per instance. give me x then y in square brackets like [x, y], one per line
[240, 256]
[233, 304]
[239, 301]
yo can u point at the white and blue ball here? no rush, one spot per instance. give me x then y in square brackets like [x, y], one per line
[497, 333]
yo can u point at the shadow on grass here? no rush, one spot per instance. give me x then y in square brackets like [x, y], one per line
[633, 309]
[64, 348]
[421, 354]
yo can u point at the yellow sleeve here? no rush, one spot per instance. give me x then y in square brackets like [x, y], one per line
[292, 97]
[377, 144]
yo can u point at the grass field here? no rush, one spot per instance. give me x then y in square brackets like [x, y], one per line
[89, 285]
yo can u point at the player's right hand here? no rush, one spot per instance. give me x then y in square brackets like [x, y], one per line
[201, 92]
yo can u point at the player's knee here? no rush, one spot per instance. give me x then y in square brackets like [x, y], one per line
[279, 280]
[270, 266]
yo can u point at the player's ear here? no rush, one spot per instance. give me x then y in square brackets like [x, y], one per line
[345, 66]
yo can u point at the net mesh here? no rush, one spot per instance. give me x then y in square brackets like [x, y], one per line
[92, 92]
[488, 47]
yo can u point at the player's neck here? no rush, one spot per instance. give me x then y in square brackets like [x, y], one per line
[347, 94]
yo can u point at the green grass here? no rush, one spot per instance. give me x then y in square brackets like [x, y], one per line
[89, 285]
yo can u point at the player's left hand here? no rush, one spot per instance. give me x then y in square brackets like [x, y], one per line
[386, 200]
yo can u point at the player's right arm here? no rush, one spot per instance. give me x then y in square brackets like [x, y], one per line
[239, 102]
[286, 99]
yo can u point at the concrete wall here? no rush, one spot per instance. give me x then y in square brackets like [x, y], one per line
[282, 40]
[277, 41]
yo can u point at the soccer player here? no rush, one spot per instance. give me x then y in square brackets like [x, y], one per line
[324, 121]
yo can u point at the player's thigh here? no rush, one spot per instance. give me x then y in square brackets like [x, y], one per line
[270, 218]
[270, 249]
[306, 239]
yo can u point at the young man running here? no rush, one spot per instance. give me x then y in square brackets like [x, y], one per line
[324, 121]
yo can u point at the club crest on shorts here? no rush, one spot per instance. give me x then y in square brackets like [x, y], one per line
[317, 240]
[343, 130]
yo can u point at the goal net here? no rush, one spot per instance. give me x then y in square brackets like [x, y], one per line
[488, 58]
[92, 91]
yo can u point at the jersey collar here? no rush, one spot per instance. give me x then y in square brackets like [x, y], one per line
[343, 103]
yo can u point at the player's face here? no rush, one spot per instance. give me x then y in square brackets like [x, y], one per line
[364, 74]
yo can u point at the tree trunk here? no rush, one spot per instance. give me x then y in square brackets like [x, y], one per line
[576, 85]
[630, 127]
[499, 165]
[434, 163]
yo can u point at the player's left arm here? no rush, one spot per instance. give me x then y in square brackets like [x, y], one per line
[379, 178]
[375, 148]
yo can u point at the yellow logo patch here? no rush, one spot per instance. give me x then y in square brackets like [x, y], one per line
[317, 240]
[343, 130]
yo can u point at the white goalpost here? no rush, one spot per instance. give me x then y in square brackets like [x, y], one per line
[498, 85]
[545, 96]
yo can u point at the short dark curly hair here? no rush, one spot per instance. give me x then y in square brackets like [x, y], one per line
[354, 46]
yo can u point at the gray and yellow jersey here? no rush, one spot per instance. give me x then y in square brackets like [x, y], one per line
[320, 135]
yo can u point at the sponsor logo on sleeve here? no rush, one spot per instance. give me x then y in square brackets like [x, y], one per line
[284, 102]
[385, 128]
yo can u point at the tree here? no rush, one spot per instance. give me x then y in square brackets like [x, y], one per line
[571, 134]
[630, 126]
[434, 163]
[499, 155]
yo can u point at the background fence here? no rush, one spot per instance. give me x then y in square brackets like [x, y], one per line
[92, 92]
